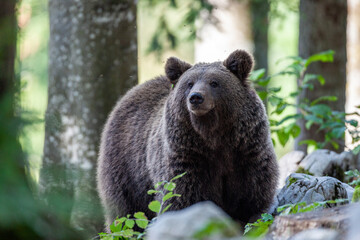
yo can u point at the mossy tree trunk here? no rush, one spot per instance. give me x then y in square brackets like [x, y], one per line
[92, 62]
[323, 27]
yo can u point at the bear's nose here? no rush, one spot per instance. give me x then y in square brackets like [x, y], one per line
[196, 98]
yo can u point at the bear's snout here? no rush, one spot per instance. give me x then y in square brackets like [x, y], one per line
[196, 98]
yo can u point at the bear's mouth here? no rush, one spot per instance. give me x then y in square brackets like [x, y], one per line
[200, 110]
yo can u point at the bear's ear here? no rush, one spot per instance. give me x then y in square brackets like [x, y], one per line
[239, 63]
[174, 68]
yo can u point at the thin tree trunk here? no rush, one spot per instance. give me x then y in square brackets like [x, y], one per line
[92, 62]
[260, 25]
[323, 27]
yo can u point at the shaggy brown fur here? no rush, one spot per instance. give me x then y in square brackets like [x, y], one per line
[211, 125]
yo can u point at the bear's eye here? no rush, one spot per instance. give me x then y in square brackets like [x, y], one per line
[214, 84]
[190, 84]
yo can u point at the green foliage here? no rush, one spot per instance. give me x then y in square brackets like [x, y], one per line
[315, 113]
[355, 182]
[260, 227]
[303, 170]
[165, 37]
[303, 207]
[356, 195]
[123, 228]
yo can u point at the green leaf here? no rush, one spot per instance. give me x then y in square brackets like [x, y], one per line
[263, 82]
[275, 100]
[170, 186]
[289, 117]
[338, 132]
[309, 142]
[283, 137]
[116, 226]
[320, 110]
[327, 56]
[267, 217]
[141, 223]
[294, 94]
[295, 131]
[152, 191]
[352, 122]
[324, 98]
[178, 176]
[140, 215]
[167, 196]
[280, 108]
[257, 74]
[166, 208]
[356, 150]
[128, 233]
[157, 185]
[308, 124]
[262, 94]
[154, 206]
[120, 220]
[334, 144]
[129, 223]
[275, 89]
[310, 77]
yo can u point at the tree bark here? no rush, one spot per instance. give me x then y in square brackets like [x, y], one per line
[232, 31]
[260, 25]
[323, 27]
[7, 46]
[92, 62]
[353, 66]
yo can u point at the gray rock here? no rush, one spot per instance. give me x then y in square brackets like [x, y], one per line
[328, 163]
[306, 188]
[286, 227]
[354, 230]
[317, 234]
[288, 164]
[185, 223]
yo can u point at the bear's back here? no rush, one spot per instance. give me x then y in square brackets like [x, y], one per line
[124, 143]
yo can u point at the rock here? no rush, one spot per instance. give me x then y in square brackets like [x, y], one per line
[354, 230]
[328, 163]
[288, 164]
[317, 234]
[306, 188]
[184, 224]
[287, 227]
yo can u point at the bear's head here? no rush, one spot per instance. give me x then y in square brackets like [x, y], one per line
[210, 92]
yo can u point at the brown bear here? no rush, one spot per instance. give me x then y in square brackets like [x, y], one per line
[205, 120]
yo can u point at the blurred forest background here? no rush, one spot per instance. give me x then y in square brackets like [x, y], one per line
[75, 58]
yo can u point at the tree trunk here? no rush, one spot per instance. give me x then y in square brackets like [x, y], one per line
[92, 62]
[323, 27]
[353, 66]
[7, 45]
[260, 25]
[232, 31]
